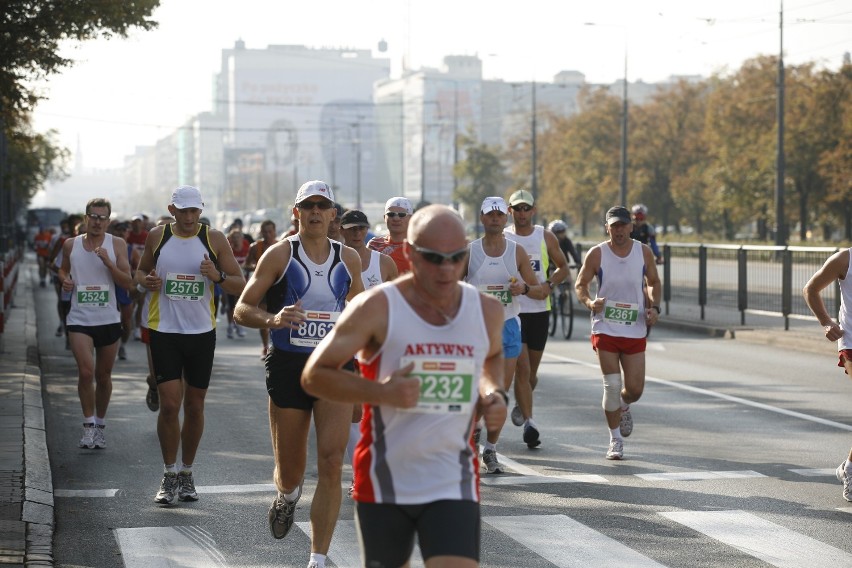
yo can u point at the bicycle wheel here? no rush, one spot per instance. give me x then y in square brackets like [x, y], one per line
[554, 315]
[566, 307]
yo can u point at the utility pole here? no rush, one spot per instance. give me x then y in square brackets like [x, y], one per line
[534, 182]
[623, 173]
[780, 224]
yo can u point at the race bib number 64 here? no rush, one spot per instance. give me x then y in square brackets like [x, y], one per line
[446, 385]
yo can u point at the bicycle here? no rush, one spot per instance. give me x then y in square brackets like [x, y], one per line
[562, 310]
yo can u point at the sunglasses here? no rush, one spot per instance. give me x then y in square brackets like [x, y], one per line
[521, 208]
[392, 214]
[435, 257]
[94, 217]
[308, 205]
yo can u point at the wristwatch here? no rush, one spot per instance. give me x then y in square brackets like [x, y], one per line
[526, 289]
[222, 276]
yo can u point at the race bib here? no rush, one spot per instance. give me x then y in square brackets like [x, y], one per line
[499, 291]
[188, 287]
[535, 262]
[621, 313]
[315, 327]
[446, 385]
[93, 295]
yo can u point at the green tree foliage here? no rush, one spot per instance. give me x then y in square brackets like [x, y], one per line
[480, 173]
[30, 35]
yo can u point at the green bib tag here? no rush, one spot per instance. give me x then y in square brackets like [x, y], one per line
[446, 385]
[621, 313]
[499, 291]
[188, 287]
[93, 295]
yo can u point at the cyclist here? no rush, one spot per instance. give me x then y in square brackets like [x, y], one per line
[643, 231]
[560, 229]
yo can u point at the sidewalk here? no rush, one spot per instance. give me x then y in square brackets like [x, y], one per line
[26, 488]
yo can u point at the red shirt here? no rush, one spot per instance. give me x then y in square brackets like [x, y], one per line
[393, 249]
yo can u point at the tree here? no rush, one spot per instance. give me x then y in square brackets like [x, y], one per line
[480, 174]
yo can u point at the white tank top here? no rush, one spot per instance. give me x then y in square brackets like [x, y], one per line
[184, 304]
[536, 248]
[372, 276]
[622, 282]
[492, 275]
[845, 318]
[93, 298]
[411, 457]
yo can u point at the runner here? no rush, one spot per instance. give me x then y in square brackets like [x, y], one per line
[398, 212]
[836, 269]
[501, 268]
[543, 248]
[306, 280]
[627, 302]
[256, 250]
[179, 266]
[41, 244]
[93, 264]
[417, 473]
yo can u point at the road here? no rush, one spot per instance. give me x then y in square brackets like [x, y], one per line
[731, 463]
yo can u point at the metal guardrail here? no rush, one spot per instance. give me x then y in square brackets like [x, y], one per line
[9, 266]
[747, 279]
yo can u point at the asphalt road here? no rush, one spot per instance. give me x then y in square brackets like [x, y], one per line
[731, 463]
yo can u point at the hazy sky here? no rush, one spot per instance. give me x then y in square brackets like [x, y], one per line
[125, 93]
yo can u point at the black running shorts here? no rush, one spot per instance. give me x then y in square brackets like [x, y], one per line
[177, 355]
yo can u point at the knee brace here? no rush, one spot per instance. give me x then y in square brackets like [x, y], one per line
[612, 392]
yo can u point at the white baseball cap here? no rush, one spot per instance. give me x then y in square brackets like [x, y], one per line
[494, 204]
[187, 196]
[315, 187]
[399, 202]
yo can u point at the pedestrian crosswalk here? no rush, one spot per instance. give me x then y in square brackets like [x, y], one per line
[559, 539]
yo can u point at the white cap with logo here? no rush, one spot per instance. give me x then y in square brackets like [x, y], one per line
[315, 187]
[187, 196]
[399, 202]
[494, 204]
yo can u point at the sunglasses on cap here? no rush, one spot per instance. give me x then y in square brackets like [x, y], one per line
[436, 257]
[95, 217]
[401, 214]
[323, 204]
[522, 208]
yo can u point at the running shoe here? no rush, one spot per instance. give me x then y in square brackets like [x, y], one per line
[99, 438]
[168, 488]
[531, 436]
[137, 335]
[186, 487]
[843, 478]
[489, 460]
[517, 416]
[351, 490]
[281, 515]
[313, 564]
[626, 424]
[59, 331]
[152, 399]
[616, 449]
[88, 439]
[240, 331]
[122, 354]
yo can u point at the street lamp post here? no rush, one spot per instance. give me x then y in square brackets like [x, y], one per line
[780, 224]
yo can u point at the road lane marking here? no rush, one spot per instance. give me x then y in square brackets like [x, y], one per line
[772, 543]
[698, 475]
[156, 547]
[729, 398]
[813, 472]
[567, 543]
[495, 480]
[86, 493]
[345, 551]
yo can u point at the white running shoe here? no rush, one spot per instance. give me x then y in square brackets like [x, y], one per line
[122, 354]
[626, 424]
[99, 438]
[168, 488]
[843, 478]
[517, 416]
[186, 487]
[616, 449]
[88, 439]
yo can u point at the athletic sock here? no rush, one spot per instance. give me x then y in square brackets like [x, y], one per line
[624, 405]
[531, 422]
[99, 421]
[489, 446]
[88, 420]
[170, 468]
[318, 558]
[185, 468]
[615, 434]
[290, 497]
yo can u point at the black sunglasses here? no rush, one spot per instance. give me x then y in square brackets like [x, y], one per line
[308, 205]
[522, 208]
[436, 257]
[393, 214]
[94, 217]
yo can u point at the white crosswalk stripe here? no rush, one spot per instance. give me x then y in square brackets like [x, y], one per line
[772, 543]
[697, 475]
[155, 547]
[567, 543]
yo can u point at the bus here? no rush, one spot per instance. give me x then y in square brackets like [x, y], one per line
[43, 217]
